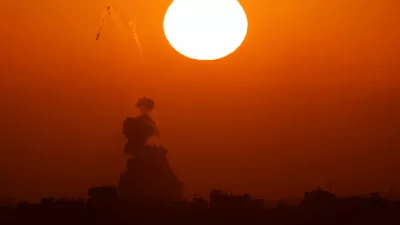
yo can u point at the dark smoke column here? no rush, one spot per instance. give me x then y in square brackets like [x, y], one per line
[148, 174]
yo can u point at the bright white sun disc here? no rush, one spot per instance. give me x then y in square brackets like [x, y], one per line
[205, 29]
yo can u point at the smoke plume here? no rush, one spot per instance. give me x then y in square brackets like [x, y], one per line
[135, 36]
[140, 129]
[145, 105]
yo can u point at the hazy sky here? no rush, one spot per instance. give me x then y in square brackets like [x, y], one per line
[312, 96]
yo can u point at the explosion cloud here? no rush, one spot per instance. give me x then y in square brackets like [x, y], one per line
[146, 105]
[138, 130]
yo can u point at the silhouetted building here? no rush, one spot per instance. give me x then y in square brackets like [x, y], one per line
[6, 201]
[224, 202]
[104, 197]
[199, 205]
[319, 198]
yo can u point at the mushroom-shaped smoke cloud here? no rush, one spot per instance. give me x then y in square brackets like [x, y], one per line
[138, 130]
[146, 105]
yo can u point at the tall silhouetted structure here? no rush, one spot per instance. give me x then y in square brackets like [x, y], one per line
[148, 174]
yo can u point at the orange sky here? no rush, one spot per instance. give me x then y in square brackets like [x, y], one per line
[311, 97]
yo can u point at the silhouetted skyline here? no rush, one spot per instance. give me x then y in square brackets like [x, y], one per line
[104, 206]
[309, 98]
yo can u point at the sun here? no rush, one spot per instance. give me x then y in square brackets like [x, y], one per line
[205, 29]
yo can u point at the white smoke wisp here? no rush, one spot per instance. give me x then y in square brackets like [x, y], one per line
[135, 36]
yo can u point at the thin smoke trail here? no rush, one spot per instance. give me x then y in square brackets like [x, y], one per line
[135, 37]
[106, 13]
